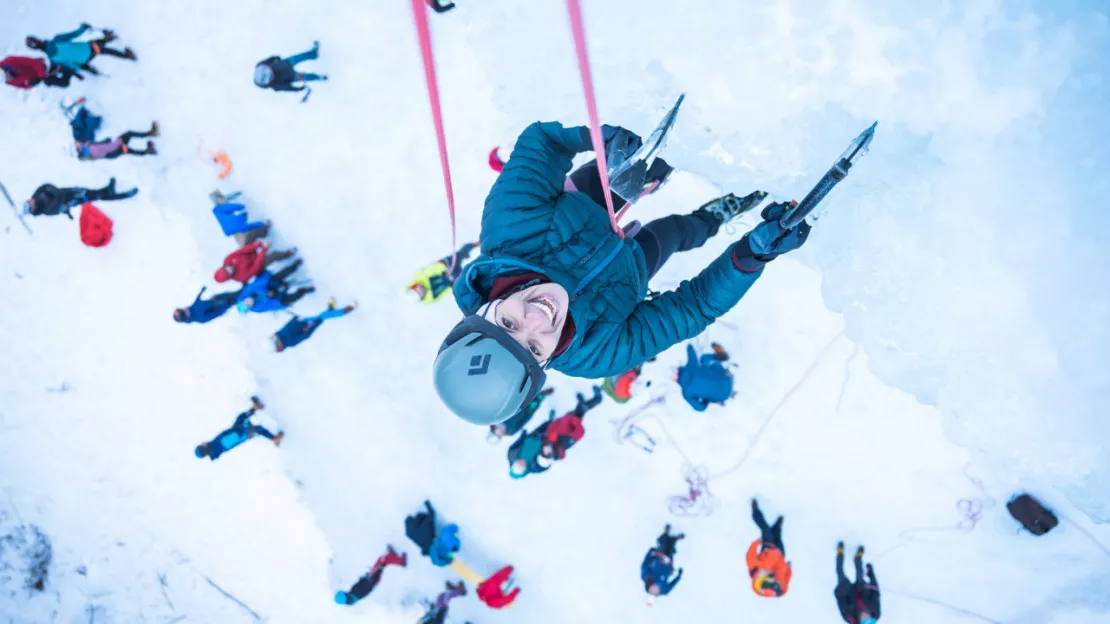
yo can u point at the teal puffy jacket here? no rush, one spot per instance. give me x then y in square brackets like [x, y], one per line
[62, 50]
[531, 224]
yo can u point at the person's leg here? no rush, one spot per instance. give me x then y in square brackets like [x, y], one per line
[840, 577]
[305, 56]
[262, 431]
[284, 274]
[289, 299]
[277, 256]
[858, 561]
[109, 193]
[101, 47]
[255, 231]
[760, 521]
[667, 544]
[310, 77]
[663, 237]
[776, 535]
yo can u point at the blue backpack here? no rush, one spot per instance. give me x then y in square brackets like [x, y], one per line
[704, 380]
[85, 125]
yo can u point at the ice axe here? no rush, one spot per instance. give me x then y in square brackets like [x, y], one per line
[832, 177]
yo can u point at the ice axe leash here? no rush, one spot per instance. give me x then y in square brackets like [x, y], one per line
[832, 177]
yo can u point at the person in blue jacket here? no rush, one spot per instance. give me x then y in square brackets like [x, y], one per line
[445, 545]
[658, 565]
[75, 56]
[556, 287]
[268, 292]
[237, 434]
[704, 380]
[526, 456]
[233, 219]
[202, 311]
[298, 329]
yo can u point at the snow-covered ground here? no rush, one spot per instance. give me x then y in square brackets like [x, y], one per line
[947, 318]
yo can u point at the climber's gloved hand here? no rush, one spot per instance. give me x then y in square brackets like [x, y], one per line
[769, 240]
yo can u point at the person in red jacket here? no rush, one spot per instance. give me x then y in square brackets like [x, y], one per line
[767, 564]
[23, 72]
[248, 261]
[492, 590]
[564, 431]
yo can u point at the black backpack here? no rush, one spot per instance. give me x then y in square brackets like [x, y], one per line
[1032, 514]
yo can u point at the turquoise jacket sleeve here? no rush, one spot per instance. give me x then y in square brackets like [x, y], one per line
[657, 324]
[70, 36]
[521, 205]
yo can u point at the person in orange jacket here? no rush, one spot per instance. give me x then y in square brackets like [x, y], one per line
[767, 564]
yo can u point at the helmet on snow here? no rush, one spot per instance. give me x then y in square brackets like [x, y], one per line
[483, 375]
[201, 451]
[222, 275]
[263, 75]
[181, 315]
[342, 598]
[34, 43]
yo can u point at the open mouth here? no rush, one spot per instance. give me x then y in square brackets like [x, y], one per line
[546, 305]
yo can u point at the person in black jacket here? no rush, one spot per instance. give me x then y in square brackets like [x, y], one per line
[280, 74]
[202, 311]
[858, 602]
[421, 528]
[50, 200]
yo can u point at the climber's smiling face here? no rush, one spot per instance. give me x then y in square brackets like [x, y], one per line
[534, 317]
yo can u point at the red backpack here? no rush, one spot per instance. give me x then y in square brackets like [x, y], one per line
[96, 227]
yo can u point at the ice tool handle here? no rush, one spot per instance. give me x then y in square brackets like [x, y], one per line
[838, 172]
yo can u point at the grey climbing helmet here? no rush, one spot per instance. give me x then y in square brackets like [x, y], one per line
[483, 375]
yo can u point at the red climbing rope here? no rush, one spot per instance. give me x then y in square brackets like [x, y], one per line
[579, 30]
[420, 13]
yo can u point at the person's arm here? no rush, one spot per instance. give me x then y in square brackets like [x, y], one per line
[200, 294]
[70, 36]
[753, 562]
[241, 420]
[660, 323]
[533, 177]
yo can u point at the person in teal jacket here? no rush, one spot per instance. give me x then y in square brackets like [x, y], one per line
[556, 287]
[74, 56]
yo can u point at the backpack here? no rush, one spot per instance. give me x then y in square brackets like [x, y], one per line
[96, 227]
[84, 125]
[1032, 515]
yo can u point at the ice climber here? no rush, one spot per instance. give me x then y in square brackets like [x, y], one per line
[248, 261]
[202, 311]
[704, 380]
[280, 74]
[767, 564]
[658, 565]
[434, 281]
[619, 387]
[556, 287]
[517, 421]
[437, 611]
[85, 124]
[269, 292]
[858, 602]
[563, 432]
[298, 329]
[237, 434]
[49, 200]
[75, 56]
[367, 582]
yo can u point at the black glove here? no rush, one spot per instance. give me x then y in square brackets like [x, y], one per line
[768, 240]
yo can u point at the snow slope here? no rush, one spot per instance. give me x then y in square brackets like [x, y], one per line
[951, 284]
